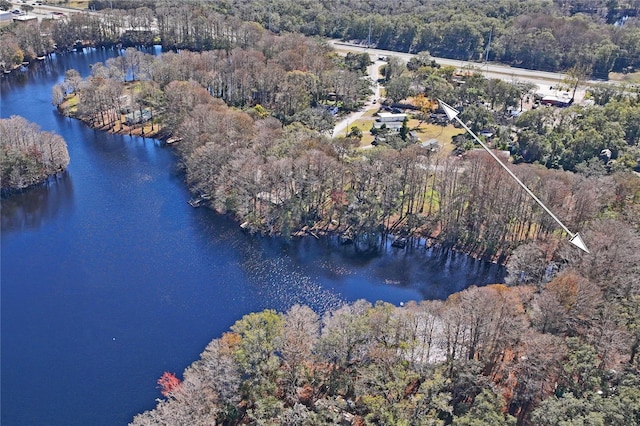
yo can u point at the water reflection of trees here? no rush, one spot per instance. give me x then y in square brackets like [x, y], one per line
[31, 208]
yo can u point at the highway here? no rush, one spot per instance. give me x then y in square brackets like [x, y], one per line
[43, 11]
[546, 81]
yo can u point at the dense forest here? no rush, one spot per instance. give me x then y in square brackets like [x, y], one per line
[248, 102]
[28, 155]
[558, 346]
[253, 127]
[601, 35]
[597, 35]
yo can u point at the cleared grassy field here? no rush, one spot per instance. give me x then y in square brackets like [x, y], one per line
[424, 131]
[433, 131]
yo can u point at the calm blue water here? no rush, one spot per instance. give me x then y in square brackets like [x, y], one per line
[109, 277]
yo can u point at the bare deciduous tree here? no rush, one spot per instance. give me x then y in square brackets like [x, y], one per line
[29, 155]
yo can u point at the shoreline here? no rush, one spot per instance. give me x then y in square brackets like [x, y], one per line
[145, 130]
[48, 180]
[316, 230]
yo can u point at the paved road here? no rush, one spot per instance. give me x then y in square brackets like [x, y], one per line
[373, 71]
[546, 81]
[44, 11]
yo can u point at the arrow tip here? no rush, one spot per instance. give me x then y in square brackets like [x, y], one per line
[449, 110]
[576, 240]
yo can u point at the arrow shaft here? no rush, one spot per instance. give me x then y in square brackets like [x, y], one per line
[528, 191]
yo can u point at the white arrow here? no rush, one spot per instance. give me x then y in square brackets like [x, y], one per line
[575, 239]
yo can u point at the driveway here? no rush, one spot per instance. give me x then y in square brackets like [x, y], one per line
[342, 127]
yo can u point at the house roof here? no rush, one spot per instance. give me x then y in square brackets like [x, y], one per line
[391, 115]
[25, 18]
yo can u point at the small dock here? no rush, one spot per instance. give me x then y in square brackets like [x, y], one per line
[400, 242]
[199, 200]
[195, 202]
[173, 140]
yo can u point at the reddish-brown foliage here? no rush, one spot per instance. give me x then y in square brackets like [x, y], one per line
[229, 343]
[168, 382]
[358, 421]
[305, 395]
[565, 287]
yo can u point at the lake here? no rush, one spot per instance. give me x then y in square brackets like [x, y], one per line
[109, 277]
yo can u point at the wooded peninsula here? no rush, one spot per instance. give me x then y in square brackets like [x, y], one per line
[248, 98]
[252, 128]
[29, 156]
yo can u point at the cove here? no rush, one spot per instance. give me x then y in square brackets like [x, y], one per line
[109, 277]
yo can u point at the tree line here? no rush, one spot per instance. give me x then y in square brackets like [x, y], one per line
[292, 76]
[535, 34]
[588, 139]
[559, 345]
[267, 159]
[598, 36]
[28, 155]
[24, 43]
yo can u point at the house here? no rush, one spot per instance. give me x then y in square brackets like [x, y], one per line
[556, 101]
[390, 120]
[486, 133]
[6, 16]
[333, 97]
[137, 117]
[25, 18]
[432, 145]
[439, 118]
[389, 117]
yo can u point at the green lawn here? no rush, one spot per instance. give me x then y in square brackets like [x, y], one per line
[424, 131]
[433, 131]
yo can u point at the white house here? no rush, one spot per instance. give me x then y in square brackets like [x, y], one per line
[25, 18]
[6, 16]
[390, 120]
[389, 117]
